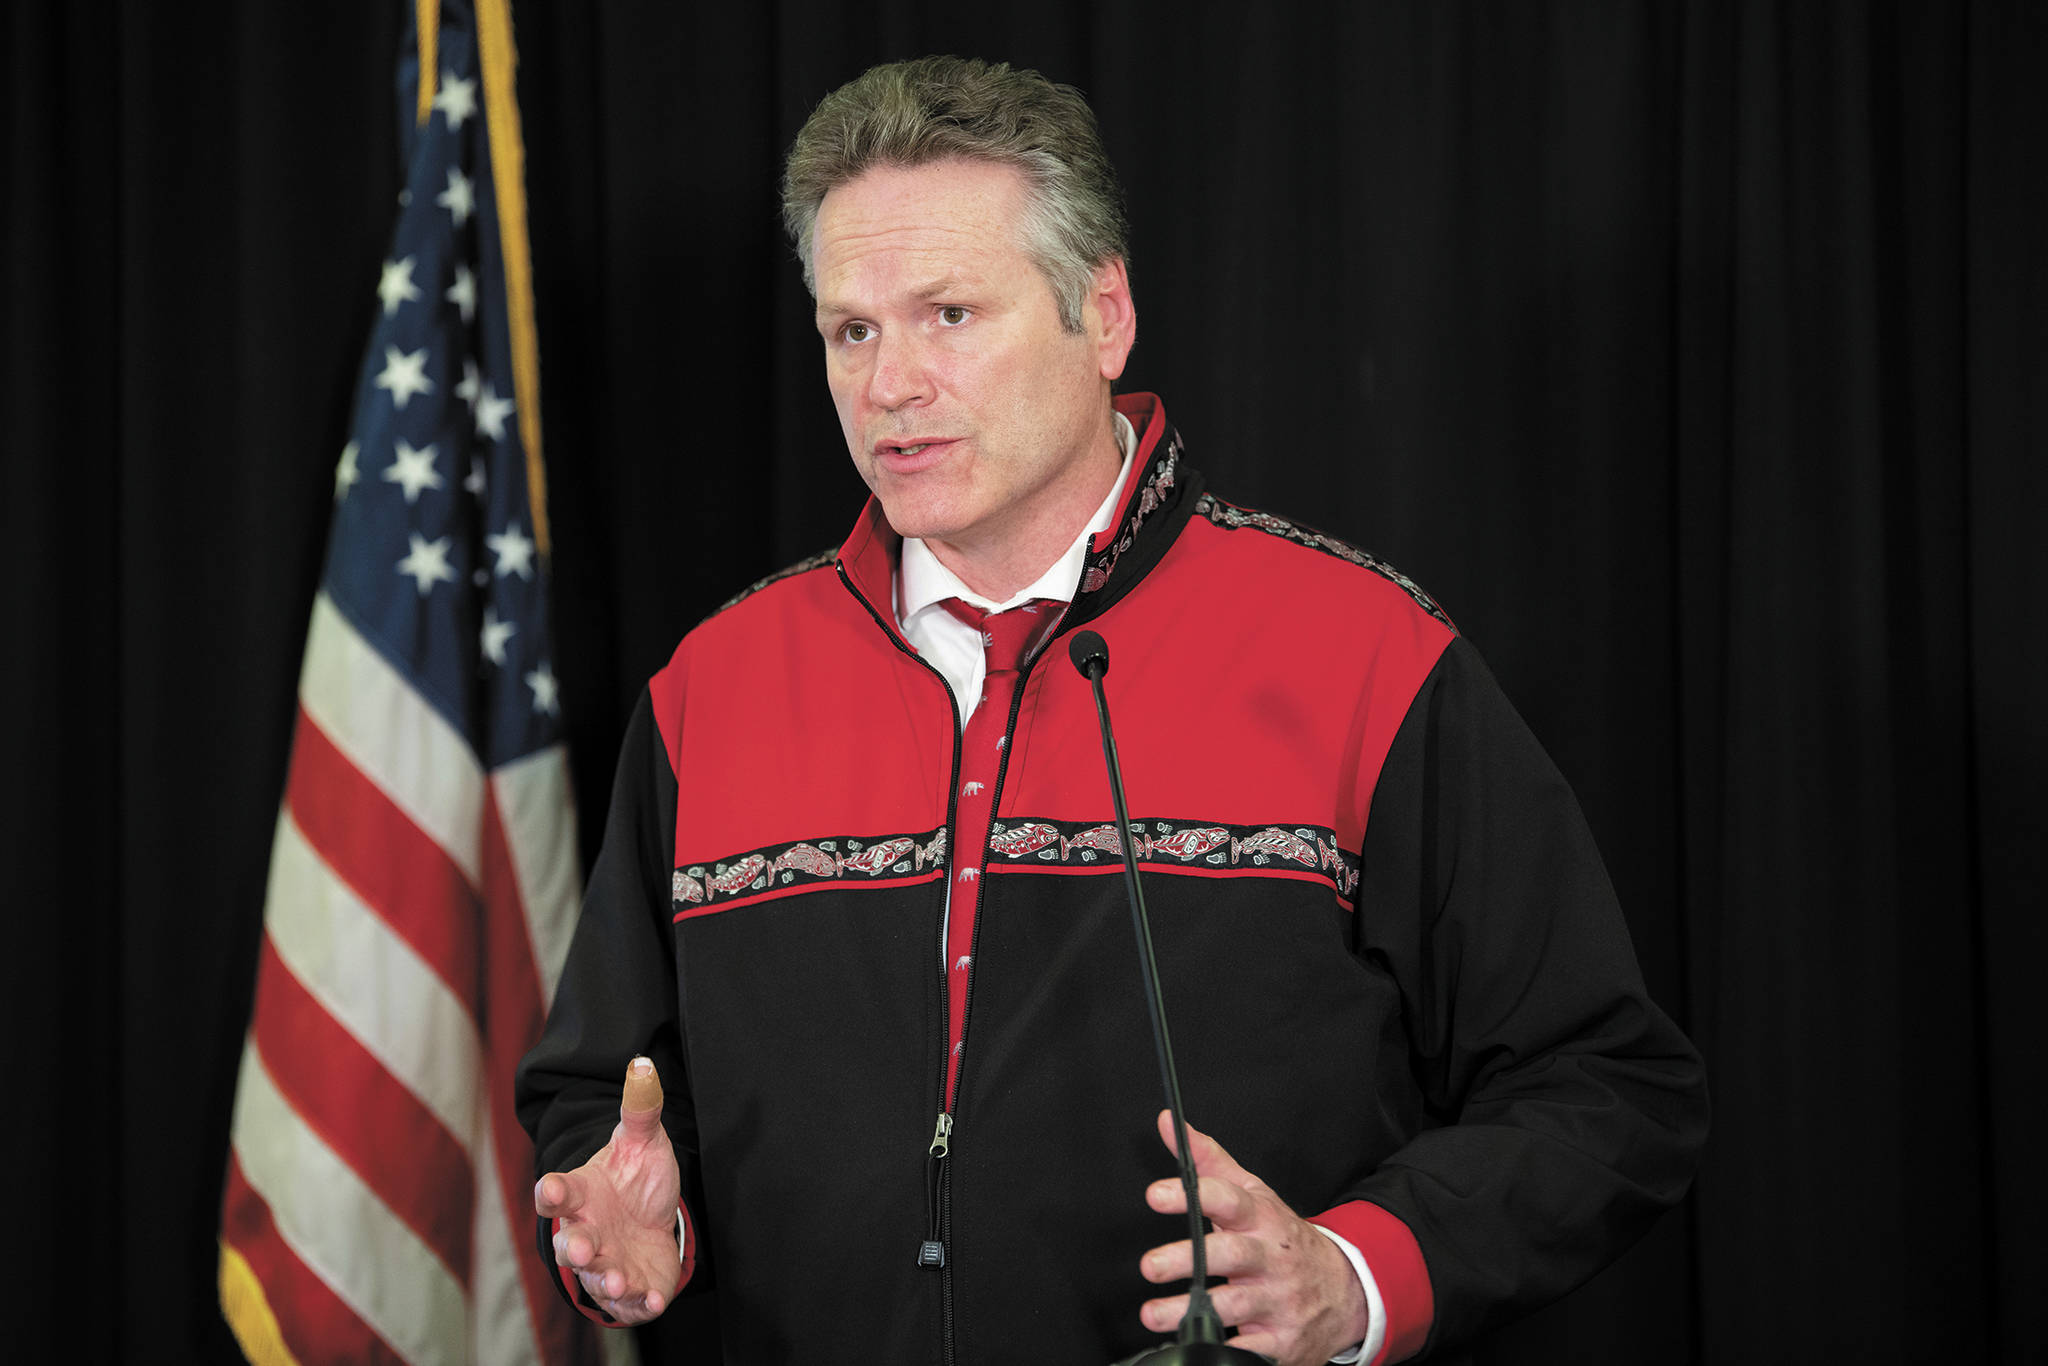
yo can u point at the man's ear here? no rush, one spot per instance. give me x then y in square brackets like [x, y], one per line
[1110, 318]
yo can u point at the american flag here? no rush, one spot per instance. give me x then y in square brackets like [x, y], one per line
[424, 878]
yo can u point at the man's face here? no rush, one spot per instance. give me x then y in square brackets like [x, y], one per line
[973, 415]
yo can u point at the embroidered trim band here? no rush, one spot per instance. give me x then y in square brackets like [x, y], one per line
[1158, 483]
[817, 561]
[1178, 844]
[788, 865]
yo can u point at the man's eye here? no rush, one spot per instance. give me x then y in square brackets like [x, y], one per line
[855, 332]
[952, 315]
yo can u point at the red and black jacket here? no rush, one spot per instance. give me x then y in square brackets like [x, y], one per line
[1398, 980]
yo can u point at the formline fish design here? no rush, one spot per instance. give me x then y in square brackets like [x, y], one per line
[876, 857]
[1019, 840]
[813, 858]
[807, 858]
[1101, 837]
[1275, 841]
[1186, 844]
[738, 876]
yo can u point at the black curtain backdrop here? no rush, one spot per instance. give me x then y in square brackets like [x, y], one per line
[1695, 355]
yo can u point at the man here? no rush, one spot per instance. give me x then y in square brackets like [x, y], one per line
[859, 900]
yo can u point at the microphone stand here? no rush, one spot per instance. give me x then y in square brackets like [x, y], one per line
[1200, 1341]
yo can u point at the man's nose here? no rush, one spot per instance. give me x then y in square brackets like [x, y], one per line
[900, 376]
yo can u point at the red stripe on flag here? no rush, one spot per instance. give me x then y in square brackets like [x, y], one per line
[314, 1322]
[393, 865]
[368, 1117]
[512, 985]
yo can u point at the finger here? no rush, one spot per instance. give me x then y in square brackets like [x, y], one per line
[1230, 1254]
[608, 1292]
[640, 1101]
[1170, 1262]
[1235, 1254]
[576, 1249]
[1229, 1204]
[558, 1195]
[1209, 1156]
[631, 1311]
[1240, 1306]
[1163, 1315]
[1233, 1306]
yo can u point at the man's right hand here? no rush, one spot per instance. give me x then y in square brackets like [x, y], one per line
[616, 1214]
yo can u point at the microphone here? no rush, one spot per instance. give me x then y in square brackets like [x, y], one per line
[1200, 1342]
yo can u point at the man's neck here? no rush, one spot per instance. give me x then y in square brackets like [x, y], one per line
[1016, 555]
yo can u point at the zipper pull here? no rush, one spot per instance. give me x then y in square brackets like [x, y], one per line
[932, 1251]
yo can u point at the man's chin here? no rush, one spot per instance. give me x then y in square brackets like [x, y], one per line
[914, 517]
[939, 532]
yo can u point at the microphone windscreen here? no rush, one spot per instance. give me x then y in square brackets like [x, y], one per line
[1089, 653]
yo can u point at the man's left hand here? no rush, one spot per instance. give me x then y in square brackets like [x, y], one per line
[1291, 1294]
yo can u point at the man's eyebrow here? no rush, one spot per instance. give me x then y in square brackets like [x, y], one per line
[832, 310]
[939, 287]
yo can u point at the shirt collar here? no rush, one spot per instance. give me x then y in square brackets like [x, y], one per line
[921, 581]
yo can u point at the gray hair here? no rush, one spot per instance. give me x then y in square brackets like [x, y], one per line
[937, 108]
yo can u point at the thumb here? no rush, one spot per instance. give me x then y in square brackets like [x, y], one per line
[1209, 1156]
[640, 1102]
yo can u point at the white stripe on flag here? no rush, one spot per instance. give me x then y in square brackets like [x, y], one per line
[504, 1323]
[373, 716]
[344, 1234]
[372, 982]
[533, 801]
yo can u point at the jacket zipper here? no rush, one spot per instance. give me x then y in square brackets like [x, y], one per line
[938, 1179]
[931, 1252]
[945, 1184]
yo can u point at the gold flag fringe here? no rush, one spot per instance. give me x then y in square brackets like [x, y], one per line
[508, 174]
[247, 1310]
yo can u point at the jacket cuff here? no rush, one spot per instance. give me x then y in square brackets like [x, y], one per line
[1395, 1258]
[573, 1291]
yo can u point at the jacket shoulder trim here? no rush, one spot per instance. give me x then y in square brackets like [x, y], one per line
[1231, 517]
[803, 566]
